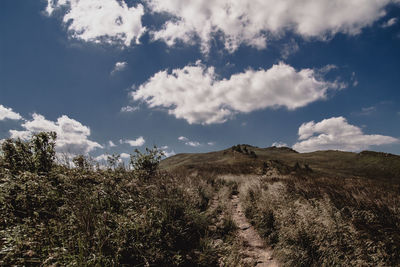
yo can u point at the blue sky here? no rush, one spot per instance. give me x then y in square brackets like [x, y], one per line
[312, 75]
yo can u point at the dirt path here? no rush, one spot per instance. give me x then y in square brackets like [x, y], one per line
[255, 252]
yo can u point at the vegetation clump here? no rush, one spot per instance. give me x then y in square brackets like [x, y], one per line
[54, 215]
[244, 149]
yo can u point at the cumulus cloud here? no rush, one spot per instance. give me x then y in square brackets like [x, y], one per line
[336, 133]
[137, 142]
[72, 136]
[101, 158]
[182, 138]
[125, 156]
[8, 113]
[111, 144]
[252, 22]
[279, 144]
[119, 66]
[129, 109]
[168, 154]
[108, 21]
[24, 135]
[196, 94]
[390, 23]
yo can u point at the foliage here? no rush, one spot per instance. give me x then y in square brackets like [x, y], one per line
[17, 156]
[82, 163]
[36, 155]
[44, 153]
[146, 164]
[101, 218]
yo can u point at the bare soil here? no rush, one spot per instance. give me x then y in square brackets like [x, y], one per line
[254, 250]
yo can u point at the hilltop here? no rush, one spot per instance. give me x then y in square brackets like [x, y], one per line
[250, 159]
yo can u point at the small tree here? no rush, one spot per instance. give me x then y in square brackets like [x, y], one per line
[146, 164]
[36, 155]
[17, 155]
[43, 145]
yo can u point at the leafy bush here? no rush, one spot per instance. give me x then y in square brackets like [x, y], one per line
[146, 164]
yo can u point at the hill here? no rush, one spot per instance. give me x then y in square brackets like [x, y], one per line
[242, 206]
[250, 159]
[325, 208]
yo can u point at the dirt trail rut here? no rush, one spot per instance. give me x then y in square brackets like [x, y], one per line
[255, 251]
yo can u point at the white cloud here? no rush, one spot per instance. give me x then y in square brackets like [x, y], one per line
[289, 49]
[279, 144]
[196, 94]
[252, 22]
[129, 109]
[389, 23]
[336, 133]
[125, 156]
[101, 158]
[193, 143]
[111, 144]
[189, 142]
[8, 113]
[137, 142]
[119, 66]
[366, 111]
[109, 21]
[168, 154]
[354, 79]
[211, 143]
[248, 22]
[24, 135]
[72, 136]
[182, 138]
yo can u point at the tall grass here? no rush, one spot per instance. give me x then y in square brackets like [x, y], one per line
[103, 218]
[327, 221]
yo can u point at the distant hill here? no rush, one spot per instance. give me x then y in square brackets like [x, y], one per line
[247, 159]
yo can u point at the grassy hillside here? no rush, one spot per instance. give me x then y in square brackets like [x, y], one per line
[326, 208]
[367, 164]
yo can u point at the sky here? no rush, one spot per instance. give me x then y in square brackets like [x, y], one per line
[110, 76]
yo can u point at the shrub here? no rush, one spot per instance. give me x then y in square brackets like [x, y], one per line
[146, 164]
[36, 155]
